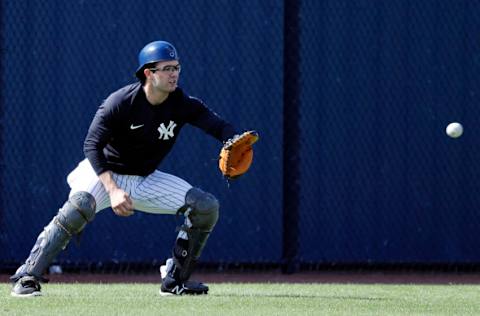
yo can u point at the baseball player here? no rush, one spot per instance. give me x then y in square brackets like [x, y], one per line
[131, 133]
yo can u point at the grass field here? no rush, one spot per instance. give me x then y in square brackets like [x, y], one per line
[247, 300]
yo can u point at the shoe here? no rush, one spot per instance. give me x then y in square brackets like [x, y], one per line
[171, 286]
[180, 288]
[26, 286]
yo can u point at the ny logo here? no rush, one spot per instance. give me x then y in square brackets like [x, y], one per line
[166, 132]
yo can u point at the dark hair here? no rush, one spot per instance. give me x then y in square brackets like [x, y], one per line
[140, 75]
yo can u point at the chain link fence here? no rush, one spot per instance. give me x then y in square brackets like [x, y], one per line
[381, 182]
[62, 58]
[374, 86]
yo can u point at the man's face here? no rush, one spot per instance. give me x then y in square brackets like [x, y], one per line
[164, 77]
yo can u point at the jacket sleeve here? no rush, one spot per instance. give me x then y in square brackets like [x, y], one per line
[99, 134]
[209, 121]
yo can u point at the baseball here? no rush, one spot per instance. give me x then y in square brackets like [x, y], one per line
[454, 130]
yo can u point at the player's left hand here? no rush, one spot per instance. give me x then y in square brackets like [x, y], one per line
[236, 155]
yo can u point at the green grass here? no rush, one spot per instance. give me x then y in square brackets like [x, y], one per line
[247, 300]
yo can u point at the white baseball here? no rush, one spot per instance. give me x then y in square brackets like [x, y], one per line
[454, 130]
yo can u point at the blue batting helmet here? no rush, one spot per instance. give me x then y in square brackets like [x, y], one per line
[154, 52]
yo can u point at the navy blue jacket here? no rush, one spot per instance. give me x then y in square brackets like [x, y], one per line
[128, 135]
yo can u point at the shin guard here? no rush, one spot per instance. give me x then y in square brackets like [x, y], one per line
[201, 215]
[70, 220]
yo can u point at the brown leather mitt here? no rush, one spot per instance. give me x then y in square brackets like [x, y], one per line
[236, 155]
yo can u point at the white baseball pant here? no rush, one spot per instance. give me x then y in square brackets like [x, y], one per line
[158, 193]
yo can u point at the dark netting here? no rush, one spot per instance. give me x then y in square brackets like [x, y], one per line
[374, 181]
[381, 183]
[63, 58]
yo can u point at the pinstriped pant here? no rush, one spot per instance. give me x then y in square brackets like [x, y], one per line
[158, 193]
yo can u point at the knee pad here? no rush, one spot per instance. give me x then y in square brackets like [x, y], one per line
[77, 212]
[203, 210]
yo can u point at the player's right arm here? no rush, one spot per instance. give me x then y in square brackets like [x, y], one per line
[98, 136]
[121, 203]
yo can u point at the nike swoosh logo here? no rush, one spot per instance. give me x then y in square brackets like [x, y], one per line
[135, 126]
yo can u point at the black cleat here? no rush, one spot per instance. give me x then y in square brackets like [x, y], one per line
[170, 286]
[180, 288]
[26, 286]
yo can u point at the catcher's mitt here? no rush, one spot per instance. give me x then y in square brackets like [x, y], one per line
[236, 155]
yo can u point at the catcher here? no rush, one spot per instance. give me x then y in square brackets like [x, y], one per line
[131, 133]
